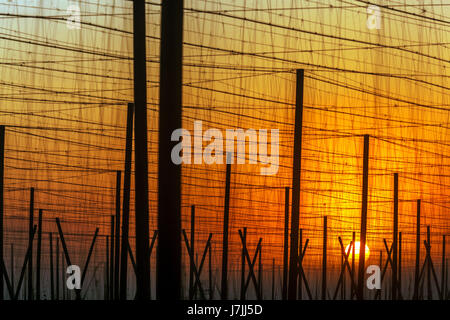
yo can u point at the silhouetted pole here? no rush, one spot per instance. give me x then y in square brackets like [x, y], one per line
[395, 240]
[38, 257]
[286, 243]
[191, 265]
[244, 244]
[362, 238]
[111, 259]
[117, 236]
[417, 269]
[224, 282]
[30, 245]
[2, 167]
[296, 170]
[141, 153]
[443, 289]
[52, 281]
[126, 203]
[57, 268]
[324, 260]
[168, 265]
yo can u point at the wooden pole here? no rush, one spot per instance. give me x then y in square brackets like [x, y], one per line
[417, 269]
[126, 203]
[141, 153]
[244, 248]
[191, 265]
[57, 269]
[286, 243]
[224, 282]
[399, 267]
[324, 259]
[300, 258]
[111, 259]
[296, 173]
[443, 289]
[395, 240]
[38, 257]
[362, 238]
[52, 281]
[117, 237]
[30, 245]
[2, 168]
[169, 179]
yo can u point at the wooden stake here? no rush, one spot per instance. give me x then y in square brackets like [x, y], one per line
[362, 238]
[296, 173]
[126, 203]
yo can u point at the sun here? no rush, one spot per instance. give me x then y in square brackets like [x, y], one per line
[357, 246]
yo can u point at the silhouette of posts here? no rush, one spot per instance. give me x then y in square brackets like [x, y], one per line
[395, 240]
[286, 243]
[2, 167]
[324, 259]
[226, 213]
[38, 257]
[168, 283]
[417, 268]
[141, 154]
[30, 245]
[296, 173]
[126, 203]
[362, 238]
[117, 237]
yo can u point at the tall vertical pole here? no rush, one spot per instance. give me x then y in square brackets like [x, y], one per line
[2, 167]
[38, 257]
[224, 283]
[111, 260]
[395, 240]
[168, 283]
[126, 203]
[399, 267]
[117, 237]
[52, 281]
[286, 242]
[244, 245]
[443, 289]
[141, 152]
[417, 269]
[30, 245]
[296, 171]
[362, 238]
[57, 268]
[324, 260]
[191, 267]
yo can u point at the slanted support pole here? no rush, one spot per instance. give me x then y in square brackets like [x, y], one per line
[296, 173]
[141, 153]
[417, 268]
[286, 243]
[126, 203]
[168, 265]
[362, 238]
[224, 282]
